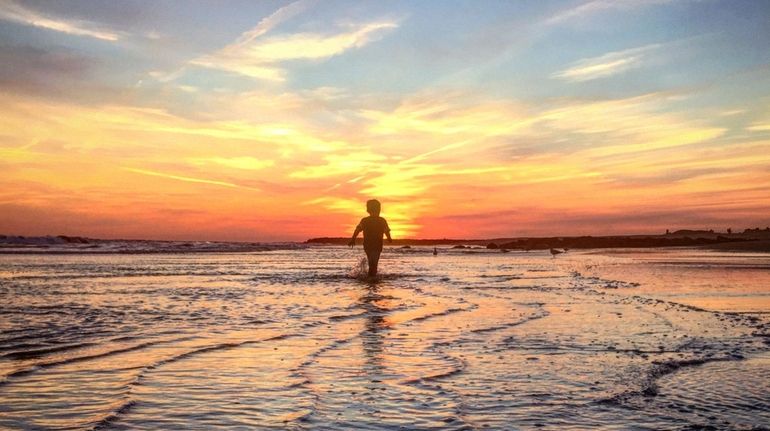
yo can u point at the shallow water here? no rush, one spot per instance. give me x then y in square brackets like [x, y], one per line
[713, 280]
[463, 340]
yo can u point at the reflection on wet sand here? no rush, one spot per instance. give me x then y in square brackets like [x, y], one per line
[371, 337]
[286, 340]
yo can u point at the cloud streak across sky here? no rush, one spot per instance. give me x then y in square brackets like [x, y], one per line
[257, 54]
[275, 121]
[587, 9]
[607, 64]
[15, 12]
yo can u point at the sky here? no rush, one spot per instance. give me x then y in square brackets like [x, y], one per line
[276, 120]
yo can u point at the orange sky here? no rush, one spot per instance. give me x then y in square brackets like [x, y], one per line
[279, 130]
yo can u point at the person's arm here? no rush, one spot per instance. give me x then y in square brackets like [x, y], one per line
[387, 232]
[355, 234]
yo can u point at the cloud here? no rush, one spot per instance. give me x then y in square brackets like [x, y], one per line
[256, 55]
[182, 178]
[605, 65]
[590, 8]
[664, 177]
[458, 114]
[342, 164]
[34, 70]
[759, 127]
[14, 12]
[625, 127]
[273, 20]
[245, 162]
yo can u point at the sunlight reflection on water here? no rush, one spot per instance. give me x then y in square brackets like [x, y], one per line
[288, 340]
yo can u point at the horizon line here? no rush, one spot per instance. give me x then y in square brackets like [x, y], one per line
[710, 231]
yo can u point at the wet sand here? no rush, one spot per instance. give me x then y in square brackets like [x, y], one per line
[462, 340]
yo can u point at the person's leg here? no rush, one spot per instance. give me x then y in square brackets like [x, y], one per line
[373, 257]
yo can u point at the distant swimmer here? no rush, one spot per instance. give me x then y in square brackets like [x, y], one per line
[555, 251]
[373, 227]
[435, 251]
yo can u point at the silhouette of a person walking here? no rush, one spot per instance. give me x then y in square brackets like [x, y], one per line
[373, 227]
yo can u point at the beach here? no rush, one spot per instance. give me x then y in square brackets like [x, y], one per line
[469, 339]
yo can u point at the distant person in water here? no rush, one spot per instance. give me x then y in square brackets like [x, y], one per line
[373, 227]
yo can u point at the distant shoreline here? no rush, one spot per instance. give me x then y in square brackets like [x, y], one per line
[754, 240]
[757, 240]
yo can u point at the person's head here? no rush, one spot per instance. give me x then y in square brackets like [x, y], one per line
[373, 207]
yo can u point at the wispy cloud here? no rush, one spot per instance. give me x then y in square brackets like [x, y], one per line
[605, 65]
[593, 7]
[12, 11]
[275, 19]
[244, 162]
[259, 56]
[759, 127]
[342, 164]
[182, 178]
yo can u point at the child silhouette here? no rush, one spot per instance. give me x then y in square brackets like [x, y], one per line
[373, 227]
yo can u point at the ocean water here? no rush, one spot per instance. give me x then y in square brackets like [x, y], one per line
[466, 340]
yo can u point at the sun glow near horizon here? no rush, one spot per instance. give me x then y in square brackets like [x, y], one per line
[281, 119]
